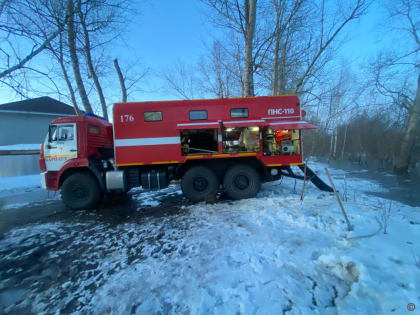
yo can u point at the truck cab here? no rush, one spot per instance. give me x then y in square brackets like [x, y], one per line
[75, 152]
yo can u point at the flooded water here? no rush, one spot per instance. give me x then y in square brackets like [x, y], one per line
[405, 189]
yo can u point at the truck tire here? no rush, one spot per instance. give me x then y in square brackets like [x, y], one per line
[199, 183]
[80, 191]
[241, 181]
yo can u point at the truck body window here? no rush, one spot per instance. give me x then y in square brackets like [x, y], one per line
[198, 114]
[152, 116]
[239, 113]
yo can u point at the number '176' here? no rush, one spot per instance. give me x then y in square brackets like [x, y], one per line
[127, 118]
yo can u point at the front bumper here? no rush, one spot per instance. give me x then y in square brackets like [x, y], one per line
[49, 180]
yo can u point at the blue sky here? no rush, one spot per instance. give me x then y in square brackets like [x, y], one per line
[166, 31]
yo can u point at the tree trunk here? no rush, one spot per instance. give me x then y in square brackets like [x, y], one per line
[73, 55]
[334, 153]
[70, 87]
[250, 17]
[121, 79]
[279, 67]
[67, 79]
[344, 142]
[89, 62]
[282, 74]
[60, 58]
[331, 147]
[275, 83]
[408, 141]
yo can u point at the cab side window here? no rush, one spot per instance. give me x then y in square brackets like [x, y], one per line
[61, 133]
[65, 133]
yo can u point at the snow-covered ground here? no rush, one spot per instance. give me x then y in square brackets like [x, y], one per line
[273, 254]
[29, 146]
[19, 191]
[19, 182]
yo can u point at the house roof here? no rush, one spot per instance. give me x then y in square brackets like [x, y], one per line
[41, 105]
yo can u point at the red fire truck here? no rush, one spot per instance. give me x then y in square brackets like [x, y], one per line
[229, 145]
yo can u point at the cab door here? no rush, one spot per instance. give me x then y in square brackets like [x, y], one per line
[60, 145]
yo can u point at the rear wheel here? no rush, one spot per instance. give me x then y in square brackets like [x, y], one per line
[80, 191]
[242, 181]
[199, 183]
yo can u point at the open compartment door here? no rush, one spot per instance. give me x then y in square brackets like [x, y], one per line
[244, 123]
[291, 125]
[198, 125]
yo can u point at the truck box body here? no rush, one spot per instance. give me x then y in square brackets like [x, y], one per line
[140, 142]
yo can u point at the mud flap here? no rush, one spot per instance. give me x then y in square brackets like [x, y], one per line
[318, 182]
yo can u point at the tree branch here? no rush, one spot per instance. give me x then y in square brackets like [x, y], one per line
[32, 54]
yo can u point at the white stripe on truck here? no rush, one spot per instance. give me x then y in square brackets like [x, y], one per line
[146, 141]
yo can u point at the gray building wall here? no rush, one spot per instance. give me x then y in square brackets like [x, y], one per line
[17, 165]
[24, 128]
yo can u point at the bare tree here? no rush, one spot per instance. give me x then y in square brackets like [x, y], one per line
[121, 79]
[71, 37]
[241, 19]
[285, 12]
[3, 4]
[397, 74]
[292, 40]
[217, 73]
[330, 28]
[73, 32]
[181, 80]
[58, 53]
[19, 22]
[88, 54]
[250, 8]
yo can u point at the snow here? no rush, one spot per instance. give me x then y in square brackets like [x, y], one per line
[28, 146]
[273, 254]
[154, 198]
[22, 191]
[21, 182]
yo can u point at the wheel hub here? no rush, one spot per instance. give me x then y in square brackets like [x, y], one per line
[241, 182]
[200, 184]
[79, 192]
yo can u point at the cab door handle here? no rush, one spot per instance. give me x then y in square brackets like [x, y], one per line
[73, 150]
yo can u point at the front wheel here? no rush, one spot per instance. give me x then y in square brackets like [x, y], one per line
[199, 183]
[241, 181]
[80, 191]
